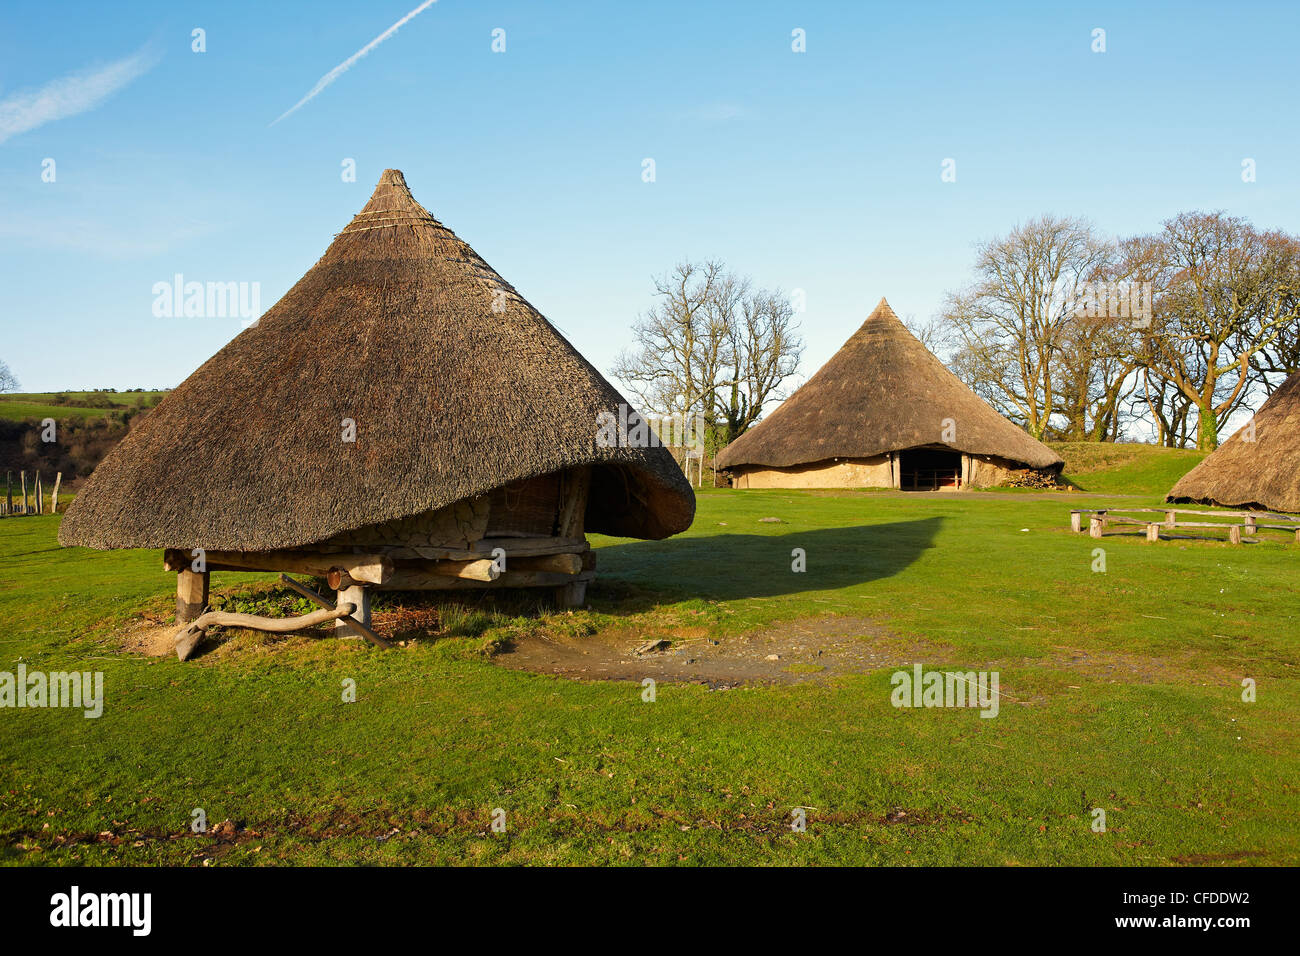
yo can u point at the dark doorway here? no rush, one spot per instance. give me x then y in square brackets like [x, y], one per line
[929, 469]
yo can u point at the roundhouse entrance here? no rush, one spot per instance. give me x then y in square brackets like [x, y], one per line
[929, 469]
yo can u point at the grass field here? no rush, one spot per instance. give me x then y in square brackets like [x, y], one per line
[23, 406]
[1121, 690]
[1114, 468]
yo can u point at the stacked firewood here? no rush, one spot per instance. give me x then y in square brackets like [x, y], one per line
[1034, 478]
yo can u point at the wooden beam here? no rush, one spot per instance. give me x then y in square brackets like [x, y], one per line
[191, 594]
[188, 637]
[357, 628]
[370, 568]
[420, 579]
[559, 563]
[481, 569]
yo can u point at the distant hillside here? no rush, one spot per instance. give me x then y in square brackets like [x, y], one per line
[25, 406]
[1115, 468]
[89, 424]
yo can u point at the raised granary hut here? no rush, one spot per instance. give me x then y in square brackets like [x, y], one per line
[401, 419]
[1259, 466]
[884, 413]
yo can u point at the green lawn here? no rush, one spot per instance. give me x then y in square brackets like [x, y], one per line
[1121, 690]
[1114, 468]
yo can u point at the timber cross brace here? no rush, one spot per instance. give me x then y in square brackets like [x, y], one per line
[351, 612]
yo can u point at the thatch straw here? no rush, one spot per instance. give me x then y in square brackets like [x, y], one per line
[394, 328]
[883, 391]
[1264, 473]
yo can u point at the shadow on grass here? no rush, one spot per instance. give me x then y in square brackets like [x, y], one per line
[728, 567]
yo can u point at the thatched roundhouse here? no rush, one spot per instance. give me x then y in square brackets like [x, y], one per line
[399, 416]
[1259, 466]
[883, 413]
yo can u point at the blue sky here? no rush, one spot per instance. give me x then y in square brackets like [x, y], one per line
[818, 171]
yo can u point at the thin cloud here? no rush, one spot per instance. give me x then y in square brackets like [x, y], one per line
[346, 65]
[69, 95]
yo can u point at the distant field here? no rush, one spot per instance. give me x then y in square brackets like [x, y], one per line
[20, 406]
[1111, 468]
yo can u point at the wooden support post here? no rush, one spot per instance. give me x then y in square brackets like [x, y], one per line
[571, 595]
[358, 597]
[191, 594]
[1171, 519]
[40, 495]
[9, 492]
[1153, 532]
[54, 498]
[1297, 535]
[1250, 524]
[1094, 526]
[1234, 534]
[1076, 522]
[24, 477]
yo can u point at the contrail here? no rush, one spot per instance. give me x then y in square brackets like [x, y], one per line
[68, 95]
[346, 65]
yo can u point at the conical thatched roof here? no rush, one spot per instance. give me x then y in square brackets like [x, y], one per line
[456, 385]
[1264, 473]
[882, 391]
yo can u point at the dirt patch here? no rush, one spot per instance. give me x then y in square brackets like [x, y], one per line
[791, 652]
[149, 637]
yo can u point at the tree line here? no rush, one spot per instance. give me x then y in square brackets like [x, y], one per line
[1207, 324]
[1072, 335]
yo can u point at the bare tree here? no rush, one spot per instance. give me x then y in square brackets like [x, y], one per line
[8, 381]
[1225, 295]
[1008, 327]
[1275, 362]
[765, 352]
[712, 345]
